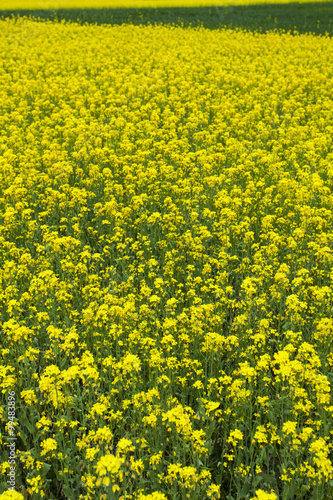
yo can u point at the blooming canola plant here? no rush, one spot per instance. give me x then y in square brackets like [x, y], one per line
[166, 261]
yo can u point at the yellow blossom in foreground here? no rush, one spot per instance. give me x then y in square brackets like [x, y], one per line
[263, 495]
[29, 397]
[166, 252]
[235, 436]
[152, 496]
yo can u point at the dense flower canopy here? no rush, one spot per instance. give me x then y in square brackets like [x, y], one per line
[166, 261]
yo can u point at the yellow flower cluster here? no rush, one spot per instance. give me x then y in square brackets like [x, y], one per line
[166, 244]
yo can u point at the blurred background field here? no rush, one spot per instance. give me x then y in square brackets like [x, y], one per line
[303, 17]
[111, 4]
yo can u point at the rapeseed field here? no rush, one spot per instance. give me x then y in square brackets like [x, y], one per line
[166, 208]
[102, 4]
